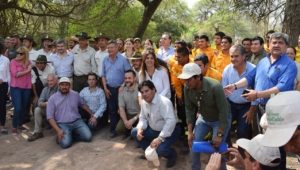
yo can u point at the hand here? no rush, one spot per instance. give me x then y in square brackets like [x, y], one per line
[35, 100]
[190, 139]
[29, 67]
[107, 93]
[93, 121]
[140, 134]
[249, 116]
[214, 162]
[217, 141]
[229, 89]
[251, 96]
[60, 134]
[121, 89]
[128, 124]
[237, 160]
[155, 143]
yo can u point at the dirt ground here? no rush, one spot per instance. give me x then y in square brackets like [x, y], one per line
[102, 153]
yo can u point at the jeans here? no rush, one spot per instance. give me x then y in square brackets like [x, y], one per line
[76, 130]
[238, 111]
[112, 107]
[3, 98]
[21, 102]
[164, 149]
[201, 129]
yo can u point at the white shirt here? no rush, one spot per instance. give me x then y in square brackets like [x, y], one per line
[159, 115]
[43, 52]
[33, 54]
[4, 69]
[160, 80]
[99, 57]
[42, 74]
[84, 60]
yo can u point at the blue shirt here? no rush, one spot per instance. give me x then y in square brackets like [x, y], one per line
[280, 74]
[95, 100]
[63, 66]
[165, 54]
[230, 76]
[114, 71]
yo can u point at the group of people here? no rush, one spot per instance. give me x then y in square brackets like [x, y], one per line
[158, 95]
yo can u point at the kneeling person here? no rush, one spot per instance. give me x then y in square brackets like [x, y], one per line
[64, 117]
[157, 123]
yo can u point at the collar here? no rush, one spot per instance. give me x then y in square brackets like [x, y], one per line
[204, 87]
[155, 99]
[133, 89]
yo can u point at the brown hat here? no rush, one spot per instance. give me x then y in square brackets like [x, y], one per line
[46, 37]
[136, 56]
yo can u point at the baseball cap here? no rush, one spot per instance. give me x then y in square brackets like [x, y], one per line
[189, 70]
[268, 156]
[283, 117]
[64, 80]
[151, 155]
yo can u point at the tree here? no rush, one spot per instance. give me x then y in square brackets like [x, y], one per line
[291, 22]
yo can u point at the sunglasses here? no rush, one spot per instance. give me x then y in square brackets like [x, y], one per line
[20, 53]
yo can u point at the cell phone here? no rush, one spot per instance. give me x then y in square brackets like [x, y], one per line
[246, 91]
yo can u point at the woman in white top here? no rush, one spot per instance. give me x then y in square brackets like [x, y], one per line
[151, 70]
[128, 48]
[4, 81]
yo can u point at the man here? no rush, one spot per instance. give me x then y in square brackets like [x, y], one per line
[246, 42]
[39, 75]
[84, 61]
[136, 61]
[257, 49]
[101, 53]
[40, 110]
[129, 107]
[113, 70]
[46, 46]
[62, 61]
[72, 42]
[29, 43]
[267, 37]
[195, 45]
[202, 61]
[165, 51]
[204, 48]
[64, 117]
[283, 119]
[220, 61]
[157, 123]
[94, 99]
[297, 58]
[205, 96]
[15, 41]
[235, 71]
[218, 39]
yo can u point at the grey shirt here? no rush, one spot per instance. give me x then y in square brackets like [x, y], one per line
[46, 93]
[128, 99]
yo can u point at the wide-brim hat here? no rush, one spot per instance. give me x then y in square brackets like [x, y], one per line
[136, 56]
[41, 59]
[101, 36]
[46, 37]
[83, 35]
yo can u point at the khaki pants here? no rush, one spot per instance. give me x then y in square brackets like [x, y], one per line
[38, 119]
[121, 126]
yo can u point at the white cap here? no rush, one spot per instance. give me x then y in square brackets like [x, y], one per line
[64, 80]
[263, 154]
[151, 155]
[189, 70]
[283, 117]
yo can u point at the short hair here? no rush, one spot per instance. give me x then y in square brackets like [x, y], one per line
[114, 42]
[60, 42]
[258, 38]
[52, 75]
[203, 58]
[279, 35]
[270, 32]
[167, 34]
[130, 40]
[204, 37]
[294, 49]
[131, 71]
[246, 39]
[220, 34]
[147, 83]
[240, 48]
[196, 37]
[228, 38]
[183, 50]
[181, 42]
[93, 74]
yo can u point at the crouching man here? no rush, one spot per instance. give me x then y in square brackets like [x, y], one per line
[64, 117]
[157, 123]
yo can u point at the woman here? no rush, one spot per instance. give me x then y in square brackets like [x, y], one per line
[129, 48]
[20, 87]
[151, 70]
[4, 81]
[120, 43]
[291, 52]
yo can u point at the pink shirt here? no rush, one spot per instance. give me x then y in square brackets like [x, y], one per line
[24, 81]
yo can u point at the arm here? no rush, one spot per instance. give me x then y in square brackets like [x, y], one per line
[222, 105]
[170, 120]
[166, 84]
[143, 123]
[101, 109]
[176, 84]
[59, 131]
[42, 102]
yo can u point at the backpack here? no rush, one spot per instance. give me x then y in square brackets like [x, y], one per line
[38, 83]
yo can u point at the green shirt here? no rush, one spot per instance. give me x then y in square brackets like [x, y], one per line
[212, 101]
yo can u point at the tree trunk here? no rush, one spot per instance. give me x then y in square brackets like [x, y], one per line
[150, 7]
[291, 22]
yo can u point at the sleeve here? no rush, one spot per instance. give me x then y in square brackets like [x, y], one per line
[250, 77]
[121, 101]
[51, 108]
[170, 120]
[43, 96]
[103, 74]
[222, 105]
[101, 109]
[142, 118]
[13, 68]
[286, 80]
[190, 109]
[225, 76]
[93, 62]
[166, 84]
[176, 84]
[81, 95]
[7, 72]
[126, 65]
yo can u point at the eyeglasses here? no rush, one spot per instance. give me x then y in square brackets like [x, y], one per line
[20, 53]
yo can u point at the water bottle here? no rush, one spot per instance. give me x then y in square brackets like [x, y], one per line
[206, 147]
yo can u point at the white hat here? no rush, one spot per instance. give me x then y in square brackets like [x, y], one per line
[189, 70]
[64, 80]
[151, 155]
[283, 117]
[263, 154]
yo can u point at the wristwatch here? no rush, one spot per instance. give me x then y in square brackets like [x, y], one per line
[161, 138]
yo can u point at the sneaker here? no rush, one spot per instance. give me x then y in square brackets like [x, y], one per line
[22, 129]
[14, 131]
[4, 131]
[35, 136]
